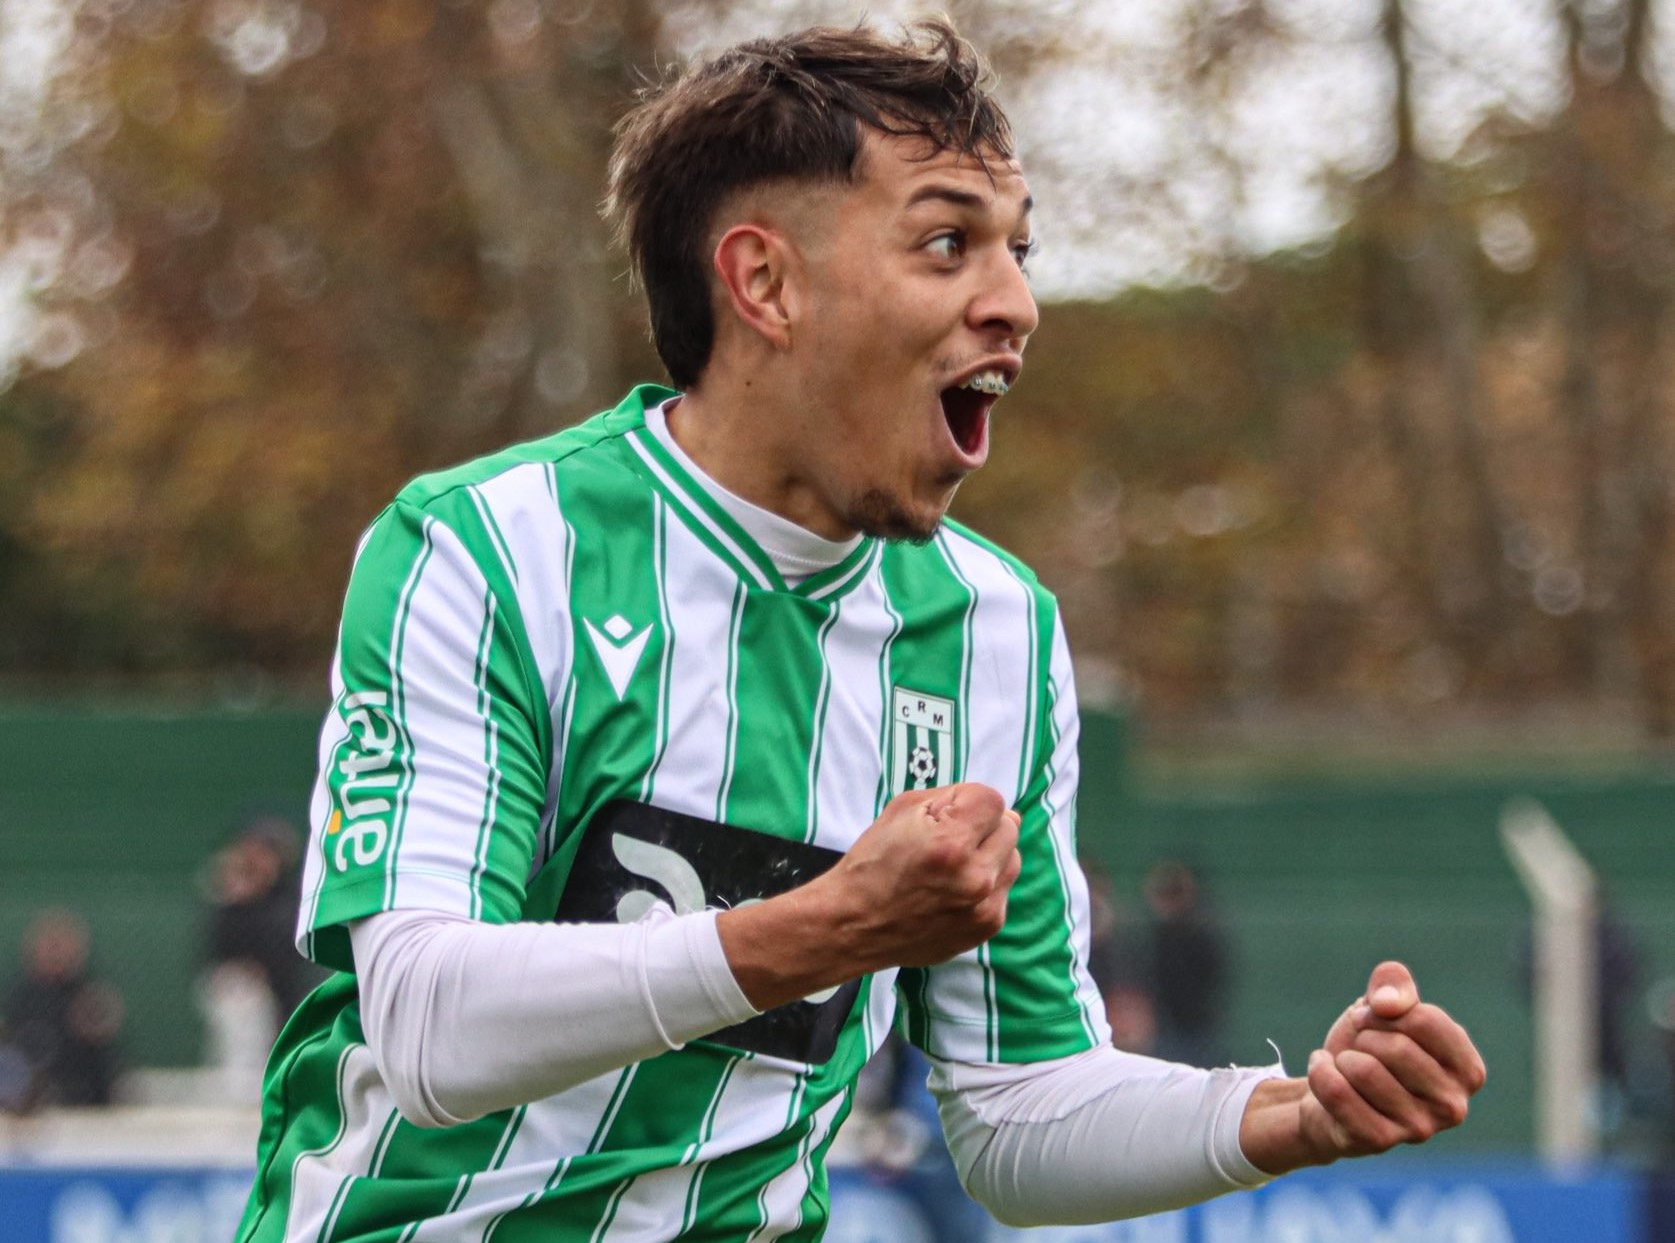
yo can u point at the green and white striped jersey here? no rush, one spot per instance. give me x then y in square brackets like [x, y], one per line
[576, 620]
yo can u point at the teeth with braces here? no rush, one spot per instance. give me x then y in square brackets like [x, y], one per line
[991, 382]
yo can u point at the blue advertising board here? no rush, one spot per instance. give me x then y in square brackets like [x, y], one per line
[1408, 1203]
[1405, 1202]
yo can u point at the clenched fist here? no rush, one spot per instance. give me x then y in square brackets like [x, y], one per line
[927, 880]
[1392, 1071]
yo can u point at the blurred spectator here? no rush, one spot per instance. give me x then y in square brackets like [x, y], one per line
[898, 1136]
[61, 1022]
[1115, 962]
[1660, 1004]
[254, 976]
[1189, 966]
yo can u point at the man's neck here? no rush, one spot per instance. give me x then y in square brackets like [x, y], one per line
[742, 447]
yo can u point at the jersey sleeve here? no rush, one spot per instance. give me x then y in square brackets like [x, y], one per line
[432, 771]
[1025, 995]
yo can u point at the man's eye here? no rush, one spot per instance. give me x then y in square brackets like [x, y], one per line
[947, 245]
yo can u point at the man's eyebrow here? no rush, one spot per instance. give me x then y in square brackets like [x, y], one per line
[968, 199]
[947, 194]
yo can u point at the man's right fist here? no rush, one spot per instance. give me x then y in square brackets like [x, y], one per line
[927, 880]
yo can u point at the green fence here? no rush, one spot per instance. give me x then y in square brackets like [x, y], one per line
[116, 813]
[1317, 879]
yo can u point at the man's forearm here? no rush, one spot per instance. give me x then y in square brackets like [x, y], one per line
[1101, 1135]
[465, 1018]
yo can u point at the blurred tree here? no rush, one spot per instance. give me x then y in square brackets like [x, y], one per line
[1390, 428]
[303, 254]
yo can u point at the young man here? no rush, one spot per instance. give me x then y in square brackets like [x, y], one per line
[710, 680]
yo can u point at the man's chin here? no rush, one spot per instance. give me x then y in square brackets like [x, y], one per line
[883, 516]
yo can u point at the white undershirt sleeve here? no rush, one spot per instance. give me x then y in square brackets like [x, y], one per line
[464, 1018]
[1095, 1137]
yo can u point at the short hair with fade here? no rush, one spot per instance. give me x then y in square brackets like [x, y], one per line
[785, 109]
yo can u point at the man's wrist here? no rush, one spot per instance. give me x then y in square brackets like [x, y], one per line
[1272, 1133]
[787, 947]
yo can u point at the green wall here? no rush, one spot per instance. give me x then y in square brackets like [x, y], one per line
[115, 812]
[1319, 878]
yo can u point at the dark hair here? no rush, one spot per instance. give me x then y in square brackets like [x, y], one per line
[786, 109]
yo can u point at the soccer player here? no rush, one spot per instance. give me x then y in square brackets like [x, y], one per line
[676, 757]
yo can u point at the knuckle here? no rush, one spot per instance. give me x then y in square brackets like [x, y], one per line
[944, 854]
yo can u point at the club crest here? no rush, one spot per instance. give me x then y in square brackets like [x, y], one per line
[921, 740]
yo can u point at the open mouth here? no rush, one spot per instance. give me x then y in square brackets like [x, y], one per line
[966, 408]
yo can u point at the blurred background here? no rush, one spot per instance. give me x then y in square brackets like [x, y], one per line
[1347, 442]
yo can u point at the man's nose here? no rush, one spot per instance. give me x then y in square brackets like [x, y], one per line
[1007, 306]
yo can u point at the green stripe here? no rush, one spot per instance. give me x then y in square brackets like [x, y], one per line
[779, 676]
[502, 550]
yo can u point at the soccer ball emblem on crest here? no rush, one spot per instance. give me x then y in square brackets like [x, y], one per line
[922, 764]
[921, 740]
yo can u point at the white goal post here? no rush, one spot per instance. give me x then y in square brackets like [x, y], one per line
[1564, 979]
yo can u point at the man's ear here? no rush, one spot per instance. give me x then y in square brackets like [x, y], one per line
[753, 261]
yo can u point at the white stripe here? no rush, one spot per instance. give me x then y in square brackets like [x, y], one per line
[697, 596]
[318, 1175]
[888, 733]
[1032, 700]
[491, 729]
[845, 787]
[822, 702]
[561, 731]
[398, 694]
[734, 657]
[659, 567]
[541, 546]
[880, 1013]
[782, 1198]
[450, 780]
[698, 514]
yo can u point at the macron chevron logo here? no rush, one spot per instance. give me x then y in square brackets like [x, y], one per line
[619, 649]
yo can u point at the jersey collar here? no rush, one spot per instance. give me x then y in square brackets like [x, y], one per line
[709, 519]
